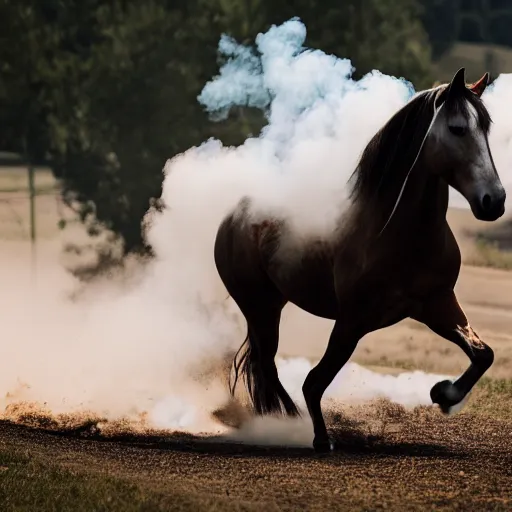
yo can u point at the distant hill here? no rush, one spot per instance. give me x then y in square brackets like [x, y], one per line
[477, 58]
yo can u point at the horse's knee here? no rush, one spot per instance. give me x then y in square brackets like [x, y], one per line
[485, 356]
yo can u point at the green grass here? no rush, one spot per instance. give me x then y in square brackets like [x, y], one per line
[27, 484]
[31, 483]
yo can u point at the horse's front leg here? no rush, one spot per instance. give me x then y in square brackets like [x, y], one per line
[342, 343]
[443, 315]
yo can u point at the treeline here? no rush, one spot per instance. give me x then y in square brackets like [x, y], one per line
[105, 91]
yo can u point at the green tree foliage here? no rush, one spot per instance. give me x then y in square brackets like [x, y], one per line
[106, 91]
[441, 19]
[486, 21]
[475, 21]
[25, 77]
[137, 106]
[374, 34]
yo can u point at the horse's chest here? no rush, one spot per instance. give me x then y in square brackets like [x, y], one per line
[397, 292]
[401, 298]
[424, 284]
[424, 267]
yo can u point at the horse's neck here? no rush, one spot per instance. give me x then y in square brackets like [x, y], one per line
[422, 208]
[433, 204]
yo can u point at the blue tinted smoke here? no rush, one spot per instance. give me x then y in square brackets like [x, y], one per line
[281, 77]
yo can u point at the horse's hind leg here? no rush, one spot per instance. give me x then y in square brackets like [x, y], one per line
[342, 344]
[267, 392]
[238, 260]
[443, 315]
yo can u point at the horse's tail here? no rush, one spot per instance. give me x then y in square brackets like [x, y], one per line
[239, 363]
[267, 394]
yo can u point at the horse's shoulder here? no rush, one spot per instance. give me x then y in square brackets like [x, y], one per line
[438, 263]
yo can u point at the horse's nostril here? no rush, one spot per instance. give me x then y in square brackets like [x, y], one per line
[486, 202]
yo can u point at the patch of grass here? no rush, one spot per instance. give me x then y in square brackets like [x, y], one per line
[488, 254]
[496, 386]
[29, 484]
[39, 189]
[387, 364]
[492, 397]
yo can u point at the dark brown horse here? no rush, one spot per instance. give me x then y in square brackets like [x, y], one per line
[392, 255]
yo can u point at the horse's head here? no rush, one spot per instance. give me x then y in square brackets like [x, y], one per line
[459, 144]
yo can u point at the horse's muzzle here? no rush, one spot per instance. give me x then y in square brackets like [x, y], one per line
[489, 205]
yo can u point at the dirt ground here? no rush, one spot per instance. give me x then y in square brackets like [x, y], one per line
[425, 463]
[418, 460]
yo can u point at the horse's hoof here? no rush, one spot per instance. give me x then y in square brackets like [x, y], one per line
[447, 396]
[325, 446]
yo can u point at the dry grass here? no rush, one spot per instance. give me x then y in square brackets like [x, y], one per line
[15, 204]
[488, 254]
[413, 347]
[15, 179]
[472, 56]
[492, 398]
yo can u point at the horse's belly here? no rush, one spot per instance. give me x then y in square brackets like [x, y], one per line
[321, 306]
[309, 285]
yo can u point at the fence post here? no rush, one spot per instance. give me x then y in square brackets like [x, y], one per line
[32, 191]
[32, 197]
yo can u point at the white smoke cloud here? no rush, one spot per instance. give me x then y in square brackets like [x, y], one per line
[319, 121]
[142, 345]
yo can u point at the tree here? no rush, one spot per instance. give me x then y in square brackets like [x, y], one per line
[24, 43]
[486, 21]
[374, 34]
[136, 107]
[441, 19]
[106, 91]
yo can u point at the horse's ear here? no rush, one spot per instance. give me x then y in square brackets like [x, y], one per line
[458, 83]
[479, 87]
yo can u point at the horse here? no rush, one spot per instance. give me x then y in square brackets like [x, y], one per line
[391, 256]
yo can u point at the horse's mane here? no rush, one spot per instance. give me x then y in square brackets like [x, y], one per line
[392, 151]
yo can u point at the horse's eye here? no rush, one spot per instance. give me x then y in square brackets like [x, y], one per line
[459, 131]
